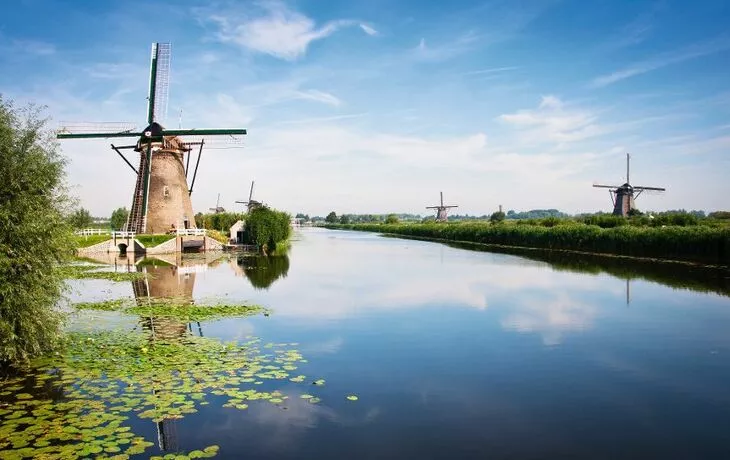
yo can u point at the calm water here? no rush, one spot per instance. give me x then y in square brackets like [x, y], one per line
[461, 354]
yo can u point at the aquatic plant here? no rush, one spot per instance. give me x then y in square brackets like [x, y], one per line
[109, 376]
[178, 309]
[75, 271]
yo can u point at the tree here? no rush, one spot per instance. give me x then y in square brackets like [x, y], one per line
[496, 217]
[344, 219]
[35, 238]
[331, 218]
[391, 219]
[119, 218]
[81, 218]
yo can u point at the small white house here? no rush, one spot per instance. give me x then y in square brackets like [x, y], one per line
[237, 232]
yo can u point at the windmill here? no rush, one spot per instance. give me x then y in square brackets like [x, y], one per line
[441, 210]
[218, 208]
[251, 204]
[623, 196]
[161, 195]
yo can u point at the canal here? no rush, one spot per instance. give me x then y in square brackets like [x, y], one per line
[411, 349]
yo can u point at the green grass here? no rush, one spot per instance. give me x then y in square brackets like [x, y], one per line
[86, 241]
[699, 243]
[151, 241]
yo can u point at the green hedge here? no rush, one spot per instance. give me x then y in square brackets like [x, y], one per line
[696, 243]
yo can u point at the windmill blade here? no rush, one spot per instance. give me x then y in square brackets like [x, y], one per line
[88, 127]
[250, 194]
[162, 82]
[606, 186]
[656, 189]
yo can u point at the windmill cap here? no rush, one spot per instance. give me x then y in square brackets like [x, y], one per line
[152, 131]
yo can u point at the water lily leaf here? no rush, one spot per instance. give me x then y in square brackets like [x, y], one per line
[352, 398]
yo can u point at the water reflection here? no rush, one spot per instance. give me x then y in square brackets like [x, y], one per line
[260, 270]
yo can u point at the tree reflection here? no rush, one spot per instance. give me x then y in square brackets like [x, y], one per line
[261, 270]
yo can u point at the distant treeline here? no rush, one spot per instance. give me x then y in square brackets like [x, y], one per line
[333, 217]
[696, 243]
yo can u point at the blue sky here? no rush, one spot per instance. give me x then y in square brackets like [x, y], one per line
[376, 106]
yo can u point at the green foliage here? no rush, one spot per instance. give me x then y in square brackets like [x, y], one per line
[331, 218]
[266, 227]
[392, 219]
[84, 241]
[723, 215]
[344, 219]
[695, 243]
[222, 221]
[497, 217]
[119, 218]
[150, 241]
[218, 236]
[80, 218]
[35, 238]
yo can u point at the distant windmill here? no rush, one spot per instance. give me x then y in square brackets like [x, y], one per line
[251, 204]
[161, 196]
[622, 196]
[442, 210]
[218, 208]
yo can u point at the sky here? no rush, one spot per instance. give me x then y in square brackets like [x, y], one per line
[375, 106]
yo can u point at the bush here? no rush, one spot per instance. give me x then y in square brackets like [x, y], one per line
[497, 217]
[35, 237]
[392, 219]
[266, 227]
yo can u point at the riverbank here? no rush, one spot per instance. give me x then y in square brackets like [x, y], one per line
[698, 244]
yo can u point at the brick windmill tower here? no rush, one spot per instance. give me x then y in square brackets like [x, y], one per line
[442, 210]
[622, 196]
[161, 198]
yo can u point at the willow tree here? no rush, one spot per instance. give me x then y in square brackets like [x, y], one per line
[35, 237]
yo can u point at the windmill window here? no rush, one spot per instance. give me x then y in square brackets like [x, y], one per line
[165, 191]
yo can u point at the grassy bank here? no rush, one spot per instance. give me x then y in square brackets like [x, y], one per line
[703, 244]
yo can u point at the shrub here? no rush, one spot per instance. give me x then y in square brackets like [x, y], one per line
[266, 227]
[35, 237]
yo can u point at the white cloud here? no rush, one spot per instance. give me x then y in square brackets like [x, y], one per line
[552, 121]
[319, 96]
[663, 60]
[280, 31]
[368, 30]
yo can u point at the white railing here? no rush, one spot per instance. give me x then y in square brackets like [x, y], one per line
[200, 268]
[124, 234]
[92, 231]
[190, 232]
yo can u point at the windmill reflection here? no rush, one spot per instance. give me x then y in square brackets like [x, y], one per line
[170, 279]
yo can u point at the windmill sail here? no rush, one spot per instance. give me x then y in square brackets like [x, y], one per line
[159, 82]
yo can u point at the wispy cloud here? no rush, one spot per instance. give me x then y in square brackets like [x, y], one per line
[663, 60]
[553, 121]
[278, 30]
[368, 30]
[636, 31]
[446, 50]
[37, 48]
[489, 71]
[323, 119]
[318, 96]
